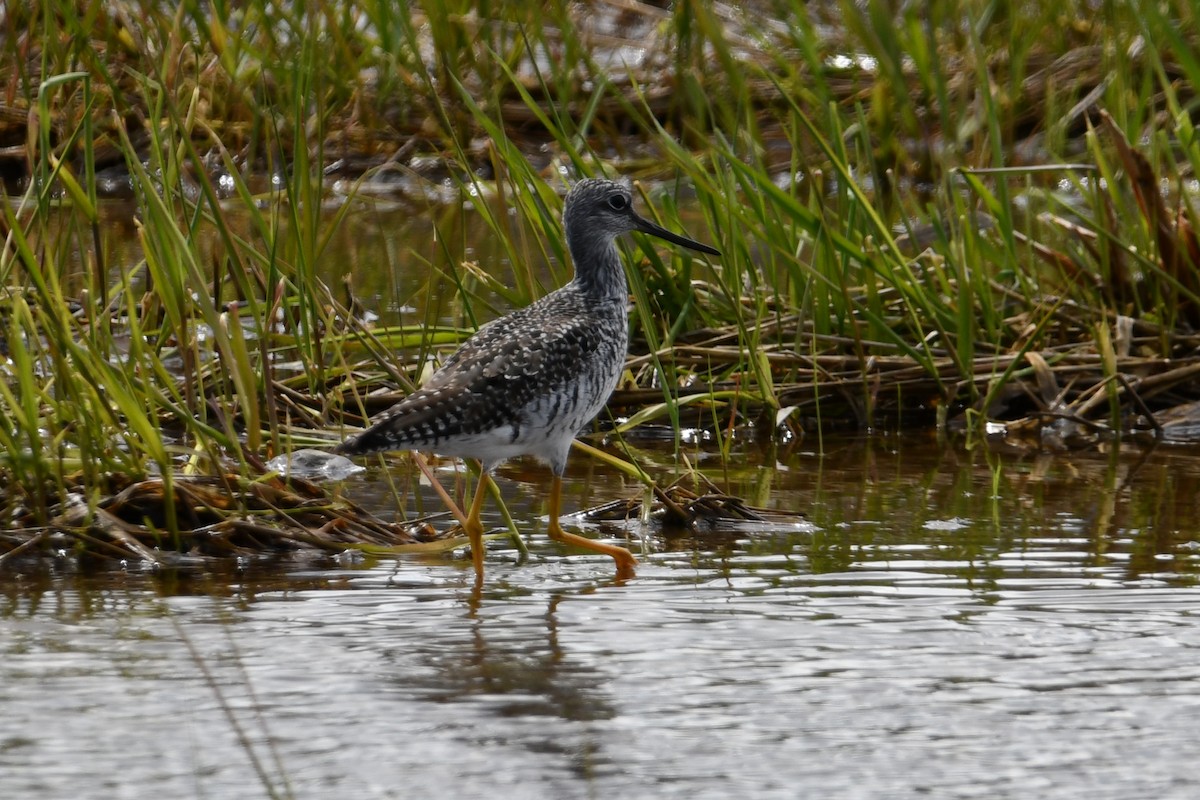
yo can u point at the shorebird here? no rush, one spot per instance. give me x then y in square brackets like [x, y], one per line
[527, 383]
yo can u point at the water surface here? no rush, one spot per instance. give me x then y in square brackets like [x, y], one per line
[946, 622]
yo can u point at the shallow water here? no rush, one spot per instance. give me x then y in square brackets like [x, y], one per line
[946, 622]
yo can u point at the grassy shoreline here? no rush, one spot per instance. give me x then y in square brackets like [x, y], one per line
[961, 218]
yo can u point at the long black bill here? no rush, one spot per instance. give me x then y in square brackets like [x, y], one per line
[646, 226]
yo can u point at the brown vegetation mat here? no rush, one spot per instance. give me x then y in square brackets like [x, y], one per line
[675, 507]
[1027, 392]
[217, 516]
[1041, 388]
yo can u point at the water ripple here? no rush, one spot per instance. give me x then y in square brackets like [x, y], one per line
[954, 647]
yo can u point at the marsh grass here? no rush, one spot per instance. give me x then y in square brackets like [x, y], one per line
[942, 215]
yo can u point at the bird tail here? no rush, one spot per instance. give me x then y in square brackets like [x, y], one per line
[375, 439]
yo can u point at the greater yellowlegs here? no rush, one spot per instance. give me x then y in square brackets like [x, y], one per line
[528, 382]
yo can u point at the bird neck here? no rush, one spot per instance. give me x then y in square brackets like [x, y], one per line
[598, 270]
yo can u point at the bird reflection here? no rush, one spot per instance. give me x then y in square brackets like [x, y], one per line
[507, 660]
[534, 673]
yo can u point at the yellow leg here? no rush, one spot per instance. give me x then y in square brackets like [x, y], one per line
[624, 559]
[474, 526]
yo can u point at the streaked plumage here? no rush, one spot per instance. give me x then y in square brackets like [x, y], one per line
[527, 383]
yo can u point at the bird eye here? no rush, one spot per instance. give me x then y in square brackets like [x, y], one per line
[618, 202]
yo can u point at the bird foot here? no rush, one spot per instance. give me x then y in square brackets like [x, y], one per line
[626, 563]
[474, 531]
[624, 560]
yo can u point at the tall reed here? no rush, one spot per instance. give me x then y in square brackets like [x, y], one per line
[931, 183]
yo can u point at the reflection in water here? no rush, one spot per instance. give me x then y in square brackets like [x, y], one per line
[518, 675]
[522, 675]
[949, 622]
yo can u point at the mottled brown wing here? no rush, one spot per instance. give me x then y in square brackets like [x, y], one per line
[486, 383]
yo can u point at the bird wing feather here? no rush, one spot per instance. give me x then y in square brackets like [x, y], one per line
[488, 381]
